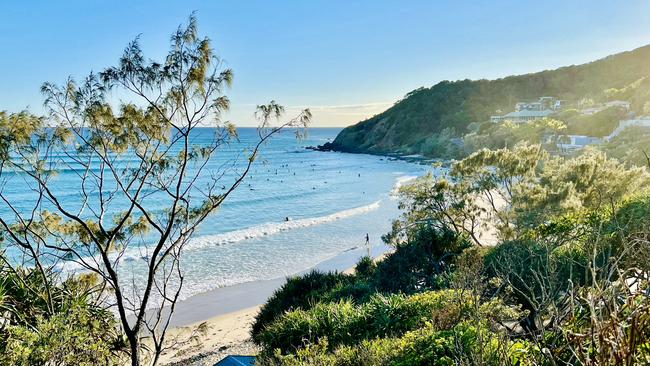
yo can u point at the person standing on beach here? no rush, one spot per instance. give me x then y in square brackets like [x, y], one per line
[368, 244]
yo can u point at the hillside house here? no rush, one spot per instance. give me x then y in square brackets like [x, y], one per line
[530, 111]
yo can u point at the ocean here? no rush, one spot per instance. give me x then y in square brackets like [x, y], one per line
[332, 201]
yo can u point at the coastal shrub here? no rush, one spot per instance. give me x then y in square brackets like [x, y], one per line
[630, 146]
[465, 343]
[343, 323]
[599, 124]
[68, 329]
[77, 336]
[629, 229]
[365, 268]
[537, 274]
[298, 292]
[359, 292]
[419, 264]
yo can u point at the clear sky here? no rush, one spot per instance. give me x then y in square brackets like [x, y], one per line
[346, 60]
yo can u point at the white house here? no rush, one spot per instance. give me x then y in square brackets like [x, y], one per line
[530, 111]
[618, 103]
[573, 142]
[522, 116]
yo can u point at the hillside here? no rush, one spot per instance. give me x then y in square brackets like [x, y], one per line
[415, 123]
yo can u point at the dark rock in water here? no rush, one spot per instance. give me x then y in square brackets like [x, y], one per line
[324, 147]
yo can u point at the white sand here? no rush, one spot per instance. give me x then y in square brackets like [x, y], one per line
[207, 342]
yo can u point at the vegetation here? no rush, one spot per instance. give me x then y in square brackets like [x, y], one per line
[599, 124]
[124, 152]
[566, 284]
[344, 323]
[631, 146]
[428, 114]
[65, 327]
[488, 135]
[412, 268]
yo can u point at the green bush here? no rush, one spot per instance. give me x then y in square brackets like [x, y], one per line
[598, 124]
[418, 264]
[344, 323]
[296, 293]
[67, 327]
[462, 344]
[365, 268]
[80, 335]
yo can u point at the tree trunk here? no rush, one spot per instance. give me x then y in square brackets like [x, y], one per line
[135, 349]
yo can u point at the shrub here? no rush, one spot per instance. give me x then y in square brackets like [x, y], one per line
[296, 293]
[70, 329]
[365, 268]
[79, 335]
[462, 344]
[629, 229]
[417, 265]
[343, 323]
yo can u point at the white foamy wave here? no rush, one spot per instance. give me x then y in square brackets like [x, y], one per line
[401, 181]
[136, 254]
[274, 228]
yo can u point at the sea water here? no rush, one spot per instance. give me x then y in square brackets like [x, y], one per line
[332, 200]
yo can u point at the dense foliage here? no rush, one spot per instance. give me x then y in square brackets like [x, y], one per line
[425, 113]
[599, 124]
[66, 328]
[567, 283]
[631, 146]
[490, 135]
[344, 323]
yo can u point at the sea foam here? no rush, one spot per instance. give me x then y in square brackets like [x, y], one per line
[275, 227]
[401, 181]
[231, 237]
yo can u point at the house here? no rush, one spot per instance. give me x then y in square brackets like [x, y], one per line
[526, 106]
[522, 116]
[573, 142]
[530, 111]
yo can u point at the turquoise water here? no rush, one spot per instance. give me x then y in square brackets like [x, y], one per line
[332, 200]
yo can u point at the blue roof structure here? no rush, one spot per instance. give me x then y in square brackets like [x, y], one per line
[237, 361]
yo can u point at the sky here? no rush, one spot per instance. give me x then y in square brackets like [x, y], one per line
[345, 60]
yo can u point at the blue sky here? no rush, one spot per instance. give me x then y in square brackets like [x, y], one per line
[347, 60]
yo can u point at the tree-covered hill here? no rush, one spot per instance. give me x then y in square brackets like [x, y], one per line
[415, 123]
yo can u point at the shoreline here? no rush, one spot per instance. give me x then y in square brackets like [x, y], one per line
[225, 300]
[209, 326]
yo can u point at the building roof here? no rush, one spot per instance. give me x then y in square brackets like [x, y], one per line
[232, 360]
[527, 113]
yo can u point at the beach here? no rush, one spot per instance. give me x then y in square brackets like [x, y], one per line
[209, 326]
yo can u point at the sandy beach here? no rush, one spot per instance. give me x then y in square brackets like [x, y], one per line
[208, 341]
[209, 326]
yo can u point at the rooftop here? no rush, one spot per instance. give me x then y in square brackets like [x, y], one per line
[237, 361]
[528, 113]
